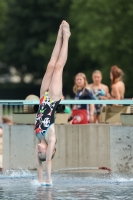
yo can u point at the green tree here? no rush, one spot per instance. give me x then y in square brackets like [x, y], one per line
[30, 34]
[3, 16]
[103, 31]
[101, 36]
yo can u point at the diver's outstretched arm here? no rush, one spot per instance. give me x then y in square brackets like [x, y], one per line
[49, 152]
[39, 168]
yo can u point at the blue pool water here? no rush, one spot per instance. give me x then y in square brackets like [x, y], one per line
[22, 184]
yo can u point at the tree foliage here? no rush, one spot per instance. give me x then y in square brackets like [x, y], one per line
[104, 32]
[29, 34]
[3, 16]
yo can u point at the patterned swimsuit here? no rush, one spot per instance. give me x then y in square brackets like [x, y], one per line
[96, 94]
[45, 115]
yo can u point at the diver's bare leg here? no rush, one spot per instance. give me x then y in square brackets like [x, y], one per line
[50, 67]
[55, 89]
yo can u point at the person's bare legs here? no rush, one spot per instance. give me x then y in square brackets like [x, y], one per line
[55, 89]
[95, 118]
[55, 93]
[99, 118]
[50, 67]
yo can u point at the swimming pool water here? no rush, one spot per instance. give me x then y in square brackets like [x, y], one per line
[23, 184]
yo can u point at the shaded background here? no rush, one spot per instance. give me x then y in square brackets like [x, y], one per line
[102, 34]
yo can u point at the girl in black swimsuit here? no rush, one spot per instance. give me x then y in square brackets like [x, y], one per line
[50, 95]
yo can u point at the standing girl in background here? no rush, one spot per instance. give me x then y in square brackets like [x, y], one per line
[82, 91]
[117, 85]
[100, 91]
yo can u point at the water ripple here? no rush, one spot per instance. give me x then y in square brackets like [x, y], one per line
[23, 184]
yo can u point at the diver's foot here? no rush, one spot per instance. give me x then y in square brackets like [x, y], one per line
[46, 183]
[60, 32]
[66, 29]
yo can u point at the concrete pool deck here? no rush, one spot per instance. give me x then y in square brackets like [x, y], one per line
[93, 145]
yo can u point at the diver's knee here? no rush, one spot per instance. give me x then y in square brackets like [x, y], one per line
[58, 66]
[51, 65]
